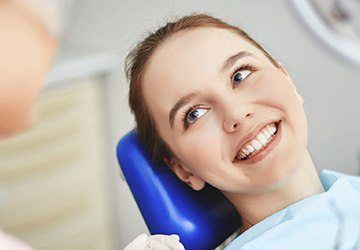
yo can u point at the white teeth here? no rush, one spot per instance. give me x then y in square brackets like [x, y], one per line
[244, 150]
[250, 148]
[266, 133]
[271, 129]
[261, 138]
[260, 141]
[255, 144]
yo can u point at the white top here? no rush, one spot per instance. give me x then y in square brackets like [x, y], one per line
[330, 220]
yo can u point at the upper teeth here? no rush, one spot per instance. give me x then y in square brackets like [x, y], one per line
[258, 142]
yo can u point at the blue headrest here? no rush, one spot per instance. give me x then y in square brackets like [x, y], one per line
[203, 219]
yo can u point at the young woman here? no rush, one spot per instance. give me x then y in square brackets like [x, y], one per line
[226, 113]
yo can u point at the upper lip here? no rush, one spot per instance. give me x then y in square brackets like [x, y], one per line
[253, 132]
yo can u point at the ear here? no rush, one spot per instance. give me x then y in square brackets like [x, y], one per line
[282, 68]
[184, 174]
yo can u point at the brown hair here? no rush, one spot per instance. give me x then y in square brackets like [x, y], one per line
[135, 65]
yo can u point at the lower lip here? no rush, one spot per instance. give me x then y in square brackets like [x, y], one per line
[265, 151]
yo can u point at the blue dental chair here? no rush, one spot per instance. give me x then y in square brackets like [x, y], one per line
[203, 219]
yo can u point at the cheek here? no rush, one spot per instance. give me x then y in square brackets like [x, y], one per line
[274, 90]
[201, 149]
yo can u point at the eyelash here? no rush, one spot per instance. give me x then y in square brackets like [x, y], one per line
[243, 67]
[186, 113]
[191, 108]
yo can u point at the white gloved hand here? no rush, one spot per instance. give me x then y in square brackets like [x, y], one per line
[156, 242]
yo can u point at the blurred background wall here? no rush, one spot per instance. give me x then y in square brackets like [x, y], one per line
[101, 33]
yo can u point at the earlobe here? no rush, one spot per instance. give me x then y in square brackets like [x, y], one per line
[183, 174]
[196, 183]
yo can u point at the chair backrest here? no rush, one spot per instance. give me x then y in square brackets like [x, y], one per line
[203, 219]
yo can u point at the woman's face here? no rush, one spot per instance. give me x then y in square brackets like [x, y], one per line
[218, 107]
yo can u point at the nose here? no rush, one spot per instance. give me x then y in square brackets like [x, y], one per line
[235, 116]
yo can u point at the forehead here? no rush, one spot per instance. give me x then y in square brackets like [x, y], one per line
[187, 59]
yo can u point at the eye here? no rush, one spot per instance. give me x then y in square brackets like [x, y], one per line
[195, 114]
[241, 73]
[192, 114]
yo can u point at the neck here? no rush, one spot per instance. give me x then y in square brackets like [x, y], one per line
[254, 208]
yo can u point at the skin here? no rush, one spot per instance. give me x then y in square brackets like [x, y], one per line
[27, 51]
[190, 61]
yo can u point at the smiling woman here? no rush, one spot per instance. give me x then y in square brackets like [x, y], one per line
[226, 113]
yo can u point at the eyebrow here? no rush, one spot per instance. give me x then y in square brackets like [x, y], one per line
[233, 59]
[178, 105]
[187, 98]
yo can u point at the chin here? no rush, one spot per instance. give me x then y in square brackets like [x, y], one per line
[287, 160]
[282, 170]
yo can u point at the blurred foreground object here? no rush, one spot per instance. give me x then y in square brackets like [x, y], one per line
[29, 35]
[9, 242]
[55, 15]
[336, 23]
[56, 190]
[27, 50]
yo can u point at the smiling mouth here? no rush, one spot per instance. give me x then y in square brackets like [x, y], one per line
[259, 143]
